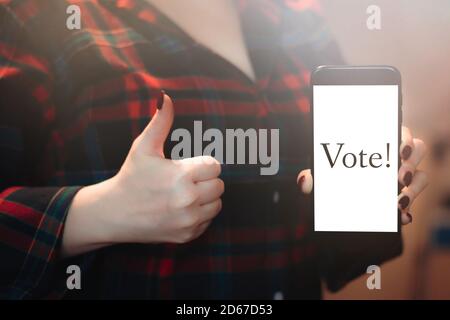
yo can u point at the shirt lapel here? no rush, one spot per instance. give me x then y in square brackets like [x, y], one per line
[260, 20]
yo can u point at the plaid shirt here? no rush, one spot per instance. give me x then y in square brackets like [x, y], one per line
[72, 102]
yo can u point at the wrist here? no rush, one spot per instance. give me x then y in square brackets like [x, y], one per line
[89, 224]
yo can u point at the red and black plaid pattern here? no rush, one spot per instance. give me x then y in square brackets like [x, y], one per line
[71, 103]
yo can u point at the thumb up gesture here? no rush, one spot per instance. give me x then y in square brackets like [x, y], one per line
[151, 200]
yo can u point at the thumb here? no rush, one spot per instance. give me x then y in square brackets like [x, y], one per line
[151, 140]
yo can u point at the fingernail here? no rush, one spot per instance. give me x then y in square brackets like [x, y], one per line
[404, 202]
[410, 217]
[407, 179]
[160, 102]
[406, 152]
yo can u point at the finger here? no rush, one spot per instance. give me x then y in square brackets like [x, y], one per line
[406, 218]
[152, 139]
[201, 229]
[209, 190]
[184, 195]
[407, 145]
[305, 181]
[202, 168]
[408, 167]
[406, 173]
[208, 211]
[418, 153]
[410, 193]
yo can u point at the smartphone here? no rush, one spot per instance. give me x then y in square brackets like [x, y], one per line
[357, 119]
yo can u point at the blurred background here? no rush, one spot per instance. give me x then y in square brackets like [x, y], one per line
[414, 37]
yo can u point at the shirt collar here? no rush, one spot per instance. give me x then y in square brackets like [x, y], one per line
[260, 19]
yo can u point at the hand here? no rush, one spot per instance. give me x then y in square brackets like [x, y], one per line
[412, 151]
[150, 200]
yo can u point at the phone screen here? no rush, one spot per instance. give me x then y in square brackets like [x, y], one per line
[355, 158]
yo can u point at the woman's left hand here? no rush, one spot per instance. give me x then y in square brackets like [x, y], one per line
[412, 151]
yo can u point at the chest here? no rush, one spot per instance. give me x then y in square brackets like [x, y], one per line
[217, 27]
[108, 88]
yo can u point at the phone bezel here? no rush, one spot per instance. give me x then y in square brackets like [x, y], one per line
[356, 75]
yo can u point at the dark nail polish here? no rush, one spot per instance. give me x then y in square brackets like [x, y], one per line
[410, 217]
[407, 179]
[160, 101]
[406, 153]
[404, 202]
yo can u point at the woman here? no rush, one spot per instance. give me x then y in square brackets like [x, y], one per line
[96, 189]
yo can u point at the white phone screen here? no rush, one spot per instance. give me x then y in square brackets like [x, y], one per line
[355, 158]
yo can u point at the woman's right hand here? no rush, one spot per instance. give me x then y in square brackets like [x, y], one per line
[150, 200]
